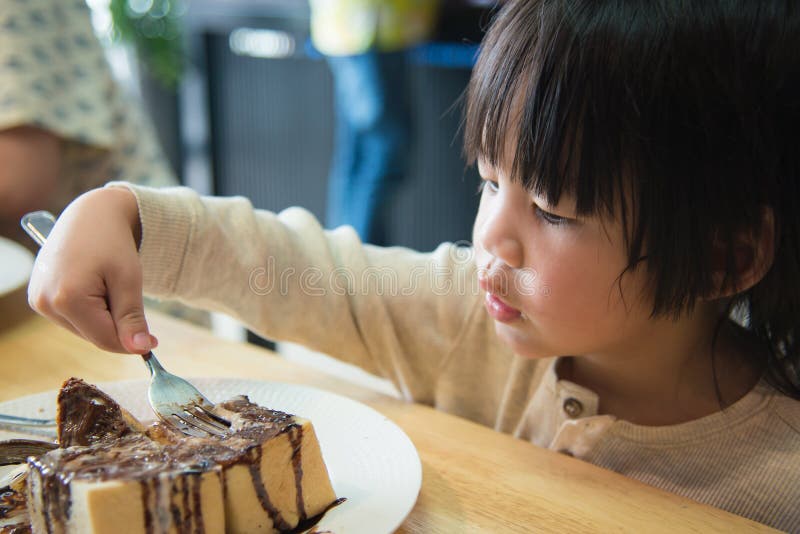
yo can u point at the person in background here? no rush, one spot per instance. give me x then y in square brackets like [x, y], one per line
[66, 126]
[366, 44]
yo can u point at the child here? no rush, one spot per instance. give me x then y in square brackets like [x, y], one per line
[640, 170]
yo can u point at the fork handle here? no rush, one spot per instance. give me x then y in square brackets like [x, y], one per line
[26, 425]
[152, 363]
[25, 421]
[38, 225]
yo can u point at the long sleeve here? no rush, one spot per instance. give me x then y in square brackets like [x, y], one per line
[392, 311]
[418, 319]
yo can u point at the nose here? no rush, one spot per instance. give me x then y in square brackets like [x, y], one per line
[498, 235]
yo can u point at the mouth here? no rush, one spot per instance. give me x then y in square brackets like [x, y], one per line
[499, 310]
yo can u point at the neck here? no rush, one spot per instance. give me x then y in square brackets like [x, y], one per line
[668, 375]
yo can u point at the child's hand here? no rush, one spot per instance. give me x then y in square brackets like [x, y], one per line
[88, 277]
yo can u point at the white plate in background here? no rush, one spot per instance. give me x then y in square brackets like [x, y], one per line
[16, 263]
[371, 461]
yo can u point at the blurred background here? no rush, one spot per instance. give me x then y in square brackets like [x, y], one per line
[242, 103]
[243, 100]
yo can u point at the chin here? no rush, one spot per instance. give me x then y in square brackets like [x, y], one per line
[521, 343]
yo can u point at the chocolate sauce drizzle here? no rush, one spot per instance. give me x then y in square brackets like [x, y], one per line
[254, 465]
[184, 519]
[176, 468]
[56, 501]
[296, 439]
[185, 508]
[271, 422]
[87, 416]
[311, 522]
[148, 515]
[197, 508]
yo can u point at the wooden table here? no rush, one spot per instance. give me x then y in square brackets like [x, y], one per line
[474, 479]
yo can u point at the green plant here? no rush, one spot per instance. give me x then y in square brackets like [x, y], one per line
[154, 28]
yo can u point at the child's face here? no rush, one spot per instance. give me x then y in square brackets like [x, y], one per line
[552, 281]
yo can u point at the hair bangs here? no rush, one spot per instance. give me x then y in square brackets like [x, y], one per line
[529, 104]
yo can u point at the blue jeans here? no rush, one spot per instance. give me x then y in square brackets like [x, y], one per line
[371, 140]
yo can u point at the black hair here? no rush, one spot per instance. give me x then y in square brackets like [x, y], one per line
[690, 109]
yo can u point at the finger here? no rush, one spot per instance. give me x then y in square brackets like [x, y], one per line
[91, 318]
[64, 323]
[77, 314]
[127, 310]
[38, 303]
[43, 308]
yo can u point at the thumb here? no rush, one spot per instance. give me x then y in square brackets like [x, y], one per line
[127, 310]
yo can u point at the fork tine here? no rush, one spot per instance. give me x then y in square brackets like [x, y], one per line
[205, 422]
[210, 418]
[199, 424]
[207, 409]
[178, 424]
[185, 427]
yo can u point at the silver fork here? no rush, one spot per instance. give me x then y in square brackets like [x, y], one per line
[174, 400]
[39, 427]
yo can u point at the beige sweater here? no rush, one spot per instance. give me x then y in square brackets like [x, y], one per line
[418, 319]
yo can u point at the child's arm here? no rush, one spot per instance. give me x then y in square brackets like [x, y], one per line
[394, 312]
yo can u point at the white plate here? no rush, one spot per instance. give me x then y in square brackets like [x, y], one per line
[371, 461]
[15, 266]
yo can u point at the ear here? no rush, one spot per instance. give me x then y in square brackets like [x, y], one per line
[753, 254]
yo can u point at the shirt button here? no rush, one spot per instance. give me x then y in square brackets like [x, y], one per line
[573, 407]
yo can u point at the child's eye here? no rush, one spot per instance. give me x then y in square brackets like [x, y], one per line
[488, 184]
[550, 218]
